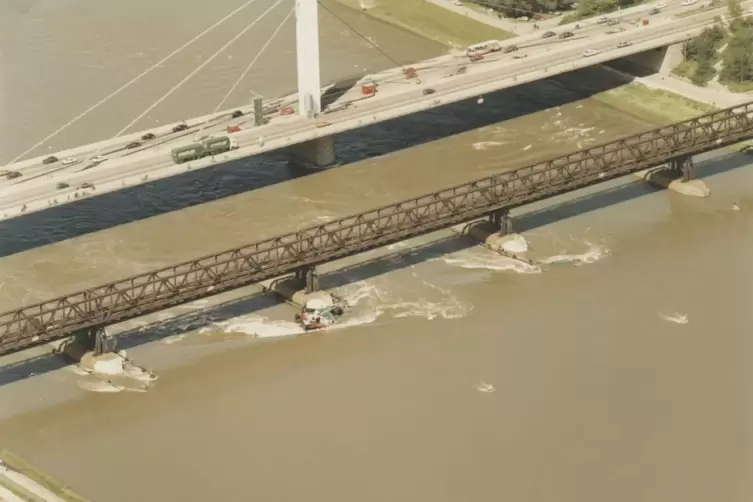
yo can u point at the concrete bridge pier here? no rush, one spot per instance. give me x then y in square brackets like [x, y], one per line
[86, 343]
[297, 288]
[496, 234]
[502, 220]
[309, 277]
[679, 176]
[684, 167]
[317, 153]
[95, 340]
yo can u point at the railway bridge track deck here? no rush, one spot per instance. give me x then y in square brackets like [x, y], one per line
[301, 250]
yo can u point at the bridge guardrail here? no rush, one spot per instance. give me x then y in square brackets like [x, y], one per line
[209, 275]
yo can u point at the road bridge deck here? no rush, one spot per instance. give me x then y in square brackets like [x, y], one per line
[157, 290]
[22, 196]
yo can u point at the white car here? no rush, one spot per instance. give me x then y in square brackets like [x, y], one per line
[98, 159]
[590, 52]
[68, 161]
[661, 5]
[685, 3]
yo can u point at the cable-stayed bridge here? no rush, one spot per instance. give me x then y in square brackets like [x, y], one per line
[318, 114]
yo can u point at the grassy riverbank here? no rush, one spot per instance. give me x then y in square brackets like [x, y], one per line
[430, 21]
[656, 106]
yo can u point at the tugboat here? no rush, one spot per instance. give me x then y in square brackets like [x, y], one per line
[321, 311]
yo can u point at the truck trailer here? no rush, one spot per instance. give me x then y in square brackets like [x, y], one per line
[220, 144]
[209, 146]
[188, 152]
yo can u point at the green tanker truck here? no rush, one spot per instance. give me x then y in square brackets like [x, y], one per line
[207, 147]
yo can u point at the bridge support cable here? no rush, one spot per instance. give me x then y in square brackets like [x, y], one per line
[309, 247]
[365, 38]
[132, 81]
[195, 71]
[248, 69]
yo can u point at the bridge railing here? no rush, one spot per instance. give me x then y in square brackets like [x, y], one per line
[317, 244]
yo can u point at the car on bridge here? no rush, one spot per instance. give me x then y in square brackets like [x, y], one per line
[520, 56]
[62, 185]
[566, 34]
[85, 185]
[50, 160]
[622, 44]
[148, 136]
[602, 20]
[653, 12]
[98, 159]
[135, 144]
[548, 34]
[510, 48]
[68, 161]
[236, 114]
[613, 22]
[180, 127]
[590, 52]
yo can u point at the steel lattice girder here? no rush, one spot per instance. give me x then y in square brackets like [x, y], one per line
[270, 258]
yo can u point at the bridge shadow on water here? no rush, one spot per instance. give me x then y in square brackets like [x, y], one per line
[205, 185]
[364, 270]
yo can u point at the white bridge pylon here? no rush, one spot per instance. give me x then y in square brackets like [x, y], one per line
[307, 56]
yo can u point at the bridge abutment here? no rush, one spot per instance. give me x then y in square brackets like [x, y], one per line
[317, 153]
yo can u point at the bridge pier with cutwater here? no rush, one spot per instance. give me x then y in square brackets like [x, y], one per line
[485, 202]
[495, 232]
[94, 349]
[677, 175]
[94, 340]
[299, 287]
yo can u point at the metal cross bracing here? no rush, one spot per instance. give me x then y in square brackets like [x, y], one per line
[293, 252]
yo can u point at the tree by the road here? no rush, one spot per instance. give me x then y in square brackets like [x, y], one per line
[737, 59]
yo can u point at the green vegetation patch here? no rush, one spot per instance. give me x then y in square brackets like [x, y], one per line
[657, 106]
[532, 9]
[591, 8]
[704, 53]
[431, 21]
[17, 464]
[737, 57]
[701, 55]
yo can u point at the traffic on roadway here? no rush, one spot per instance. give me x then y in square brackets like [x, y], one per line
[143, 157]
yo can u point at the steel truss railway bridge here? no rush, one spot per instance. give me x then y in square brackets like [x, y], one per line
[91, 310]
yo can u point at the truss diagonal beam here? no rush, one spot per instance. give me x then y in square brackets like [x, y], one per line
[209, 275]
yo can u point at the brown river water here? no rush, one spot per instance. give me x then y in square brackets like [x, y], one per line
[618, 370]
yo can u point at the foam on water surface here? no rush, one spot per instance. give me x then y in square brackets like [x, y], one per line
[676, 318]
[593, 254]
